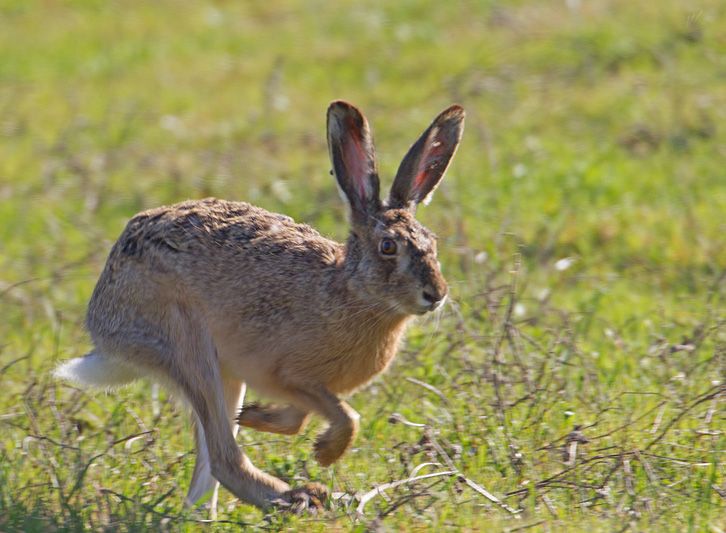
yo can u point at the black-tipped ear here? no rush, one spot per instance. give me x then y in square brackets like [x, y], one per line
[427, 160]
[354, 159]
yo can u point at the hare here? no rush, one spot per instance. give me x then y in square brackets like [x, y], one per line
[210, 296]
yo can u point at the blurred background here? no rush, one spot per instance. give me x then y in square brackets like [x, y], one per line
[586, 204]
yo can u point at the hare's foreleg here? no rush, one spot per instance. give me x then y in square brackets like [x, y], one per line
[202, 479]
[343, 419]
[335, 441]
[288, 420]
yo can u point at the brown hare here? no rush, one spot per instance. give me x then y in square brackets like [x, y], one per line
[210, 296]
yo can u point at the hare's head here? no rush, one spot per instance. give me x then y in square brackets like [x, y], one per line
[393, 256]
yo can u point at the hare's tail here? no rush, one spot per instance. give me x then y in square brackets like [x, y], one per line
[96, 370]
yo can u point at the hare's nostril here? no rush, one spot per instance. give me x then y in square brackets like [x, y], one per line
[431, 298]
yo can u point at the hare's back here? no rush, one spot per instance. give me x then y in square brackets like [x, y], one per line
[201, 234]
[231, 258]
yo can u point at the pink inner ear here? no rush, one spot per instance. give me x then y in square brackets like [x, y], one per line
[427, 163]
[356, 160]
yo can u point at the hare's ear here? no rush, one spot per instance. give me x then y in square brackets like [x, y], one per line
[354, 159]
[426, 161]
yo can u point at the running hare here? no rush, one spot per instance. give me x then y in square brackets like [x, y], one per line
[208, 296]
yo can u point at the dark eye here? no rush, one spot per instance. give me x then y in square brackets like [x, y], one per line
[388, 247]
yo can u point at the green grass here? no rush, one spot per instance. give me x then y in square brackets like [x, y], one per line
[594, 132]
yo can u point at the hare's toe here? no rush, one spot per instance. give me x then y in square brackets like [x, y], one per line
[309, 497]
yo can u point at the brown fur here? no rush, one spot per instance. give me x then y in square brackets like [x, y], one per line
[211, 295]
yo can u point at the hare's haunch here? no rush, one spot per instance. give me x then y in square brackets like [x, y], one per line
[210, 296]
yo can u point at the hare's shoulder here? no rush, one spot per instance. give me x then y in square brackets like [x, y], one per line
[196, 226]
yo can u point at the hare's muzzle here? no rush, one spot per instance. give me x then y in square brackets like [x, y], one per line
[433, 297]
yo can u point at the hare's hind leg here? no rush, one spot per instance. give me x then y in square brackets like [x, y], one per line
[180, 353]
[197, 373]
[202, 479]
[288, 420]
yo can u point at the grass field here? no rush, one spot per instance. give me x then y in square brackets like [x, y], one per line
[577, 374]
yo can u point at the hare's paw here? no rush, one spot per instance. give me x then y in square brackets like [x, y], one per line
[285, 420]
[310, 497]
[333, 443]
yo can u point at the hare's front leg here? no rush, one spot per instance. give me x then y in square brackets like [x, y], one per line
[343, 419]
[288, 420]
[336, 440]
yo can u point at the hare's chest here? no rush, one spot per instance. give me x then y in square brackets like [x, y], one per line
[363, 360]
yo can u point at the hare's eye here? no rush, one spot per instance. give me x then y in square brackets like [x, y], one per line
[388, 247]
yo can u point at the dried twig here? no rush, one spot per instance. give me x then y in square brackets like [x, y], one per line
[368, 496]
[429, 387]
[475, 486]
[525, 526]
[713, 392]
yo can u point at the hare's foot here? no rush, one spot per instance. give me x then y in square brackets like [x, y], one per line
[287, 420]
[334, 442]
[343, 419]
[309, 497]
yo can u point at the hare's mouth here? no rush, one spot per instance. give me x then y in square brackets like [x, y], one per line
[426, 303]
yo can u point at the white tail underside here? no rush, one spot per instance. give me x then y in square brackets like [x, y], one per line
[95, 370]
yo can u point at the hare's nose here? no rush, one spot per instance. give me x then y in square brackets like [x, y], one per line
[433, 296]
[430, 298]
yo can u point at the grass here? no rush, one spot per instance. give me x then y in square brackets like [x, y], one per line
[577, 375]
